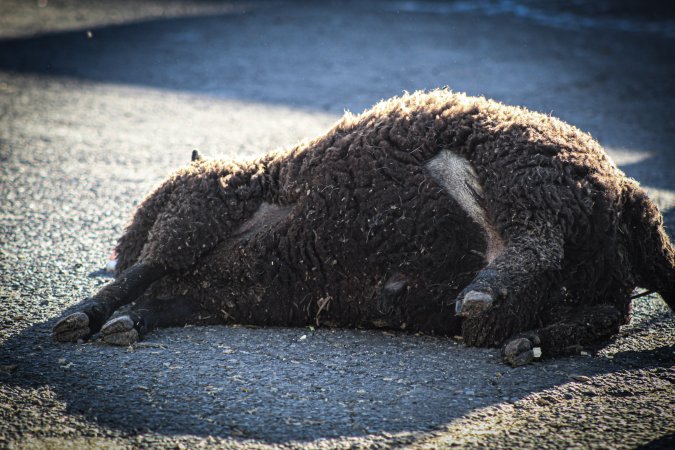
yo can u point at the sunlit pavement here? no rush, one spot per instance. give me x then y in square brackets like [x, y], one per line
[99, 102]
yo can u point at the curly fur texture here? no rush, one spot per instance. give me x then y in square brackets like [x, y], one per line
[357, 232]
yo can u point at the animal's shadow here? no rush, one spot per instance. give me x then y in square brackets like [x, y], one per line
[279, 385]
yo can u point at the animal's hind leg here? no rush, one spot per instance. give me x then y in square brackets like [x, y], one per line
[512, 274]
[135, 236]
[584, 326]
[130, 244]
[96, 310]
[533, 245]
[130, 325]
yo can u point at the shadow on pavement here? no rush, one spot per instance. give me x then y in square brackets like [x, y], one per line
[323, 57]
[239, 56]
[664, 442]
[330, 59]
[280, 385]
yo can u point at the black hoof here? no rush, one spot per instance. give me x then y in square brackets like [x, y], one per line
[520, 351]
[473, 304]
[120, 331]
[72, 328]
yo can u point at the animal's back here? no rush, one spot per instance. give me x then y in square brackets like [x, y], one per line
[389, 215]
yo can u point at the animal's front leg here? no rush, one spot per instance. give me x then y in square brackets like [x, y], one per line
[96, 310]
[127, 327]
[507, 296]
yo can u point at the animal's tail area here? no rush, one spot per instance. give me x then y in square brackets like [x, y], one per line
[130, 244]
[652, 253]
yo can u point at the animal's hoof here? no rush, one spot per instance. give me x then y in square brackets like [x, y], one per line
[120, 331]
[72, 328]
[520, 351]
[473, 304]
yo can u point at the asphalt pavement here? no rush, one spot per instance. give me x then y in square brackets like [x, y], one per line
[100, 100]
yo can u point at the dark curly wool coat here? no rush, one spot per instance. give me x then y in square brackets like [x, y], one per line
[424, 206]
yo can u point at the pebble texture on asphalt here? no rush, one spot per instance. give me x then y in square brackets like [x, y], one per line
[89, 123]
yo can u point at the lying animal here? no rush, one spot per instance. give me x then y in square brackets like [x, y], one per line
[433, 212]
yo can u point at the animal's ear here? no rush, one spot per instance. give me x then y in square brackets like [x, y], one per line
[196, 156]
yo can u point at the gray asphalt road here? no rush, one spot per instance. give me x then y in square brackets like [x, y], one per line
[99, 100]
